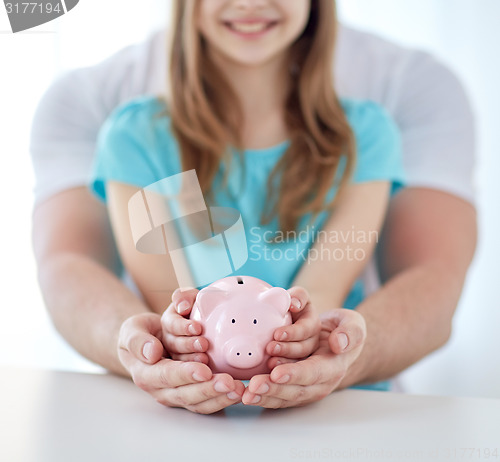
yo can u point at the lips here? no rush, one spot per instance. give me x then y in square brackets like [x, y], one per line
[253, 27]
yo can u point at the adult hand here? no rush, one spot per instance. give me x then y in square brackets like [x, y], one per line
[173, 383]
[342, 337]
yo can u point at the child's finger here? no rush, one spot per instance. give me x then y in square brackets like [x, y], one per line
[307, 325]
[293, 350]
[183, 300]
[176, 344]
[274, 361]
[175, 324]
[300, 298]
[191, 357]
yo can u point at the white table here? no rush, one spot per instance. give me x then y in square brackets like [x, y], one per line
[48, 416]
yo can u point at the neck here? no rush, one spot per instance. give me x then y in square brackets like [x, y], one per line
[261, 89]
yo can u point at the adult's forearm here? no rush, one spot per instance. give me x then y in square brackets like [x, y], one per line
[88, 305]
[408, 318]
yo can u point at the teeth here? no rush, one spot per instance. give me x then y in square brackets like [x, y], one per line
[249, 28]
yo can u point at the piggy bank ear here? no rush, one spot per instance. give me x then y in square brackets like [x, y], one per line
[209, 298]
[278, 298]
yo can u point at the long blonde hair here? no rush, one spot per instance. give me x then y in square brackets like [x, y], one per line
[206, 117]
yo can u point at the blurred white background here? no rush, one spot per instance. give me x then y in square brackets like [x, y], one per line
[462, 33]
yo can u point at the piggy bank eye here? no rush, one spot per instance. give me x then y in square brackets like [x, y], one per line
[233, 320]
[255, 321]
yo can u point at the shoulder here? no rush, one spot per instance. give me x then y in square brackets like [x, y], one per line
[93, 92]
[138, 129]
[134, 147]
[363, 110]
[426, 99]
[378, 142]
[369, 120]
[365, 64]
[137, 69]
[140, 109]
[368, 45]
[138, 118]
[372, 67]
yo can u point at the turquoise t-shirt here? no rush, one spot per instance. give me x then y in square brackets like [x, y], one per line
[137, 147]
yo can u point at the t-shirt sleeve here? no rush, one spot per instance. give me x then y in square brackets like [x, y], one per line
[438, 131]
[63, 133]
[378, 145]
[124, 151]
[73, 109]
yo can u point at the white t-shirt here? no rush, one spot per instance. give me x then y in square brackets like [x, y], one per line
[425, 99]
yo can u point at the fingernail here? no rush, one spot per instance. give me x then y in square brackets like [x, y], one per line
[343, 340]
[192, 329]
[233, 395]
[256, 399]
[277, 349]
[197, 345]
[296, 303]
[182, 306]
[284, 336]
[283, 379]
[264, 388]
[221, 387]
[198, 377]
[147, 350]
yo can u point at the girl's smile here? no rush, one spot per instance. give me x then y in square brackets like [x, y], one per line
[251, 32]
[251, 28]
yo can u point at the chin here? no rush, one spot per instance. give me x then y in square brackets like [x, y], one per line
[250, 59]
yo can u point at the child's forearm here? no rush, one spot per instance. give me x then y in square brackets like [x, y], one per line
[345, 245]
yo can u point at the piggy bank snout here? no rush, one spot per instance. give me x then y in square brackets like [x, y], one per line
[243, 352]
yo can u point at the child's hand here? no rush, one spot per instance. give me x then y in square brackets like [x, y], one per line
[181, 335]
[300, 339]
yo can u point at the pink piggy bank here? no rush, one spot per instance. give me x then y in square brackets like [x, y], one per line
[239, 315]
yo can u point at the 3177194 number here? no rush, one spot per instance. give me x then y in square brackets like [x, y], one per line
[33, 8]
